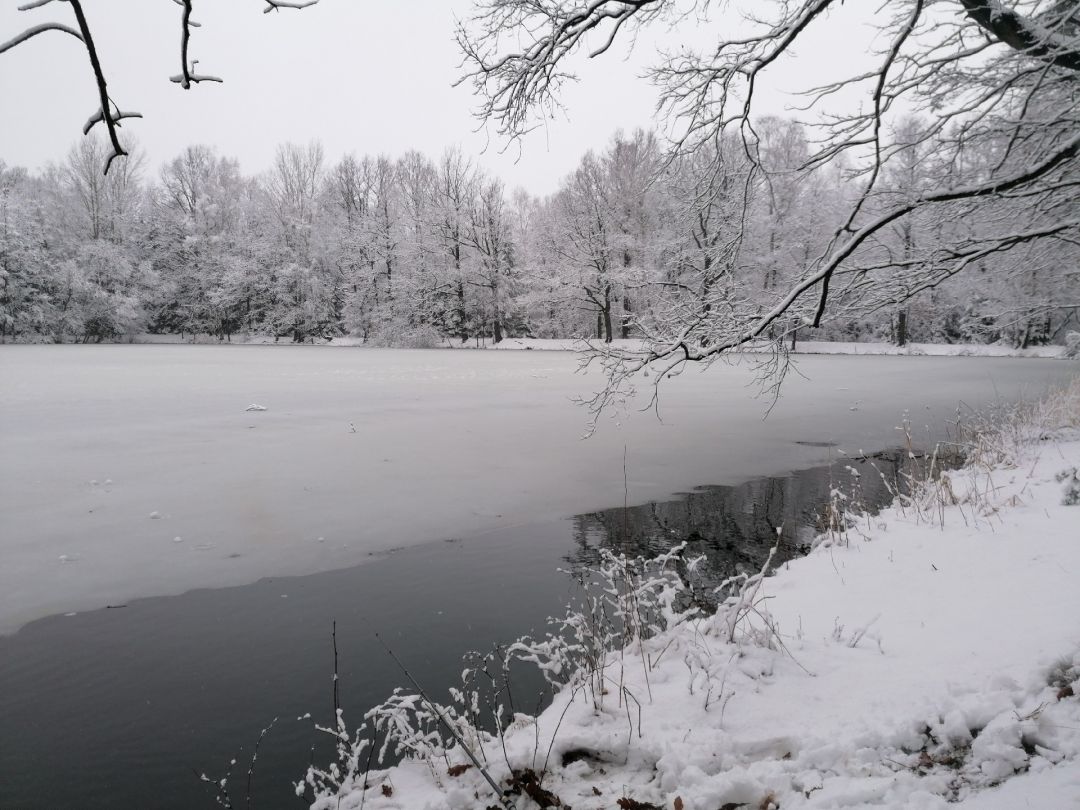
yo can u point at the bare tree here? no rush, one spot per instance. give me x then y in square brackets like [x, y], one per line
[488, 234]
[417, 177]
[632, 164]
[455, 192]
[585, 239]
[383, 222]
[106, 200]
[293, 187]
[993, 78]
[109, 113]
[185, 179]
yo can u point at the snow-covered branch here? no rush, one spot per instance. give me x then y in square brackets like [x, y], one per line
[34, 30]
[1016, 103]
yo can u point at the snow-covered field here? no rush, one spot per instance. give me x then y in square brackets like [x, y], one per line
[927, 657]
[138, 470]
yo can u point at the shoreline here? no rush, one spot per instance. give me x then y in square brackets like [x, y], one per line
[807, 347]
[925, 657]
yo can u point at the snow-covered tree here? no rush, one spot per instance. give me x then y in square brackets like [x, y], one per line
[996, 77]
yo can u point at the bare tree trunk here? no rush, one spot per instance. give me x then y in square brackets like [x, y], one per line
[463, 332]
[608, 334]
[496, 324]
[908, 233]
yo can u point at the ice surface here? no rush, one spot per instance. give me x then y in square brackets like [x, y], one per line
[365, 450]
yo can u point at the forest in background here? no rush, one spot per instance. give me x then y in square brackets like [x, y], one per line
[414, 250]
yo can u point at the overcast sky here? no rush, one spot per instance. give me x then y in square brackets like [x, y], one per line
[365, 77]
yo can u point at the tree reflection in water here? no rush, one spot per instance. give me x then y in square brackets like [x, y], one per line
[734, 527]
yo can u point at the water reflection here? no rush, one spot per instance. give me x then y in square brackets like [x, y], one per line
[735, 527]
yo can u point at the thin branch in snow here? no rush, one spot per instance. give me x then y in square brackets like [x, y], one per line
[111, 119]
[34, 30]
[277, 5]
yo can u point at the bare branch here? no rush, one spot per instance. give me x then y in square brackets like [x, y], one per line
[1023, 34]
[107, 112]
[1070, 149]
[515, 84]
[277, 5]
[34, 30]
[99, 116]
[111, 120]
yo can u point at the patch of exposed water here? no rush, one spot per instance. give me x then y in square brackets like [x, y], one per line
[124, 707]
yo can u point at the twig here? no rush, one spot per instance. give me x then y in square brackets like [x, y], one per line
[446, 723]
[337, 700]
[249, 797]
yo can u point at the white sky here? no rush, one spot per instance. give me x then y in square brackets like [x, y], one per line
[362, 76]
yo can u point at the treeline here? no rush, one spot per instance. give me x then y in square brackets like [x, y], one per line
[415, 250]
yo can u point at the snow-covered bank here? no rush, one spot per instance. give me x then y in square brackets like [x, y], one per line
[925, 656]
[817, 347]
[569, 345]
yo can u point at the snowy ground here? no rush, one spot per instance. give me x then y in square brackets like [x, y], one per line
[930, 656]
[138, 470]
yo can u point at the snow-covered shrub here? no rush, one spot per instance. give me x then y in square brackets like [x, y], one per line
[624, 601]
[403, 336]
[348, 772]
[411, 727]
[742, 614]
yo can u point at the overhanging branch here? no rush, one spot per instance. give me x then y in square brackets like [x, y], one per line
[1021, 33]
[34, 30]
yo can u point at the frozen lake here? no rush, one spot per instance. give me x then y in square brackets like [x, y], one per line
[359, 451]
[133, 471]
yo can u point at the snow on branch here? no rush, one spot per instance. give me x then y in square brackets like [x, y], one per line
[515, 84]
[33, 31]
[277, 5]
[1068, 150]
[99, 116]
[187, 75]
[107, 113]
[110, 118]
[1026, 35]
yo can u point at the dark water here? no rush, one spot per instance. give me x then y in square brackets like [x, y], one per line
[122, 708]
